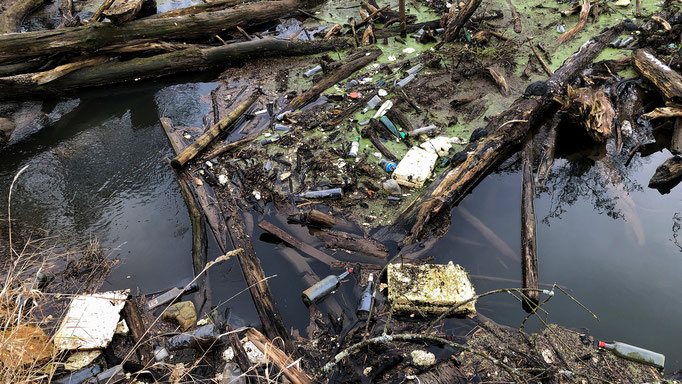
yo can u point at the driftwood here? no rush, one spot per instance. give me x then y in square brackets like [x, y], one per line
[370, 133]
[667, 174]
[398, 117]
[238, 349]
[500, 81]
[320, 219]
[529, 270]
[283, 362]
[86, 39]
[515, 17]
[99, 13]
[584, 14]
[11, 19]
[191, 59]
[506, 133]
[666, 80]
[592, 109]
[546, 67]
[199, 8]
[332, 78]
[676, 140]
[294, 242]
[126, 10]
[548, 149]
[489, 234]
[230, 146]
[657, 113]
[137, 330]
[352, 243]
[456, 20]
[207, 137]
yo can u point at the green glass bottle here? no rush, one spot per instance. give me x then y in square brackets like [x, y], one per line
[633, 353]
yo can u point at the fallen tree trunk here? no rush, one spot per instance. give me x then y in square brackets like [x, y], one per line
[11, 19]
[529, 270]
[294, 242]
[187, 60]
[90, 38]
[332, 78]
[667, 81]
[452, 185]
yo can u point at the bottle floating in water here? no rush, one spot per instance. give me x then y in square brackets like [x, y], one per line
[323, 287]
[633, 353]
[366, 299]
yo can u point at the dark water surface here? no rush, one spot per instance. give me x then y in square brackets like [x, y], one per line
[98, 168]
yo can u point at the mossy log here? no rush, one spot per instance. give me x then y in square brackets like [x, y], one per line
[506, 134]
[17, 47]
[191, 59]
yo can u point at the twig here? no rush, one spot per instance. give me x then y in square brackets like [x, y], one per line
[542, 61]
[9, 207]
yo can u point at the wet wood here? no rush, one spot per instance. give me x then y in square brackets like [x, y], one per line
[353, 243]
[502, 247]
[676, 140]
[238, 349]
[191, 59]
[11, 19]
[592, 109]
[334, 77]
[137, 331]
[95, 36]
[456, 20]
[400, 118]
[369, 132]
[99, 13]
[505, 134]
[548, 150]
[230, 146]
[667, 81]
[320, 219]
[584, 14]
[280, 359]
[668, 173]
[125, 10]
[529, 269]
[515, 17]
[198, 8]
[546, 67]
[207, 137]
[674, 111]
[294, 242]
[500, 81]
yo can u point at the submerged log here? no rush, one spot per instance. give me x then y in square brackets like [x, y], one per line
[666, 80]
[294, 242]
[352, 243]
[11, 19]
[207, 137]
[191, 59]
[529, 255]
[332, 78]
[90, 38]
[452, 185]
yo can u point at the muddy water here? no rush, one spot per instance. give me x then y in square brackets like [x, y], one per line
[97, 167]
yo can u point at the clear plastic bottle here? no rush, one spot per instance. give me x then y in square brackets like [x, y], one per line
[392, 187]
[331, 193]
[323, 287]
[366, 299]
[633, 353]
[421, 130]
[200, 337]
[354, 147]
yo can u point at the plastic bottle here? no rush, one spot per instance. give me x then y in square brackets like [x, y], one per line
[281, 127]
[366, 299]
[406, 80]
[313, 71]
[270, 139]
[322, 100]
[387, 165]
[415, 69]
[323, 287]
[421, 130]
[79, 376]
[372, 103]
[354, 147]
[392, 187]
[351, 84]
[633, 353]
[383, 109]
[169, 295]
[200, 337]
[391, 127]
[333, 192]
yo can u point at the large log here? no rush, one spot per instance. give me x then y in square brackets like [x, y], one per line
[11, 19]
[90, 38]
[529, 271]
[187, 60]
[506, 133]
[666, 80]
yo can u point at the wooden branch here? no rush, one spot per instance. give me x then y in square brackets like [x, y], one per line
[676, 140]
[457, 20]
[99, 13]
[95, 36]
[500, 81]
[664, 112]
[528, 242]
[283, 362]
[198, 8]
[294, 242]
[332, 78]
[207, 137]
[190, 59]
[369, 133]
[238, 350]
[126, 10]
[398, 117]
[546, 67]
[230, 146]
[452, 185]
[11, 19]
[548, 149]
[584, 14]
[515, 17]
[320, 219]
[666, 80]
[352, 243]
[137, 331]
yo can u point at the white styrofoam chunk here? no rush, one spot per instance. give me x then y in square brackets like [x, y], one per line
[415, 168]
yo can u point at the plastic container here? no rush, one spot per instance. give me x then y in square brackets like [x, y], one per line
[415, 167]
[354, 147]
[351, 84]
[202, 336]
[166, 297]
[322, 100]
[421, 130]
[270, 139]
[406, 80]
[323, 287]
[366, 299]
[322, 193]
[160, 353]
[415, 69]
[373, 102]
[633, 353]
[392, 187]
[281, 127]
[391, 127]
[383, 109]
[313, 71]
[387, 165]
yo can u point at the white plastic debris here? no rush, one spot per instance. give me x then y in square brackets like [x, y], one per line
[413, 170]
[382, 92]
[254, 354]
[383, 109]
[90, 321]
[560, 28]
[423, 358]
[391, 58]
[257, 195]
[122, 328]
[222, 179]
[408, 50]
[622, 3]
[440, 145]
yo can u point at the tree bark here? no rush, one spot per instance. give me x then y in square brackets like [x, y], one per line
[11, 19]
[667, 81]
[90, 38]
[187, 60]
[352, 243]
[529, 256]
[548, 149]
[126, 10]
[457, 21]
[451, 186]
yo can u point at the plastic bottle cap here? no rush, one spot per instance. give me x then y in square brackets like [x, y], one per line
[354, 95]
[602, 344]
